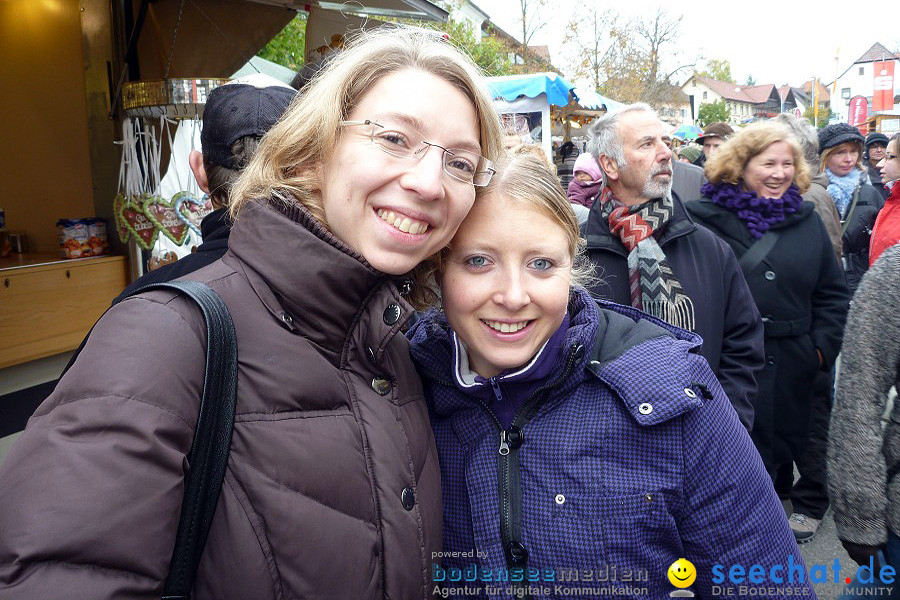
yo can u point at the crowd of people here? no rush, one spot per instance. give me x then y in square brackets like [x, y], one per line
[456, 358]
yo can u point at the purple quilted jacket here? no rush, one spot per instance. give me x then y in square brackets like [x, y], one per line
[626, 459]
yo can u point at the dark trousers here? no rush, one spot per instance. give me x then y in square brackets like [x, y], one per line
[809, 496]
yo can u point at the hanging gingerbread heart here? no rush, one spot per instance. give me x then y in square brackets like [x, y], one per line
[191, 210]
[164, 216]
[137, 223]
[118, 202]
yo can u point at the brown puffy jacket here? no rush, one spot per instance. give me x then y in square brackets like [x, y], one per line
[332, 488]
[824, 203]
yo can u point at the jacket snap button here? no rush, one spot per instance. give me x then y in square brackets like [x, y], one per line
[381, 386]
[560, 499]
[408, 498]
[287, 318]
[690, 393]
[646, 408]
[770, 360]
[518, 553]
[391, 314]
[770, 275]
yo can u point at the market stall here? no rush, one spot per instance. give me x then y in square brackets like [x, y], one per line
[530, 105]
[70, 64]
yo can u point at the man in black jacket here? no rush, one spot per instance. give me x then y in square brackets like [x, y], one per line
[649, 254]
[235, 118]
[875, 149]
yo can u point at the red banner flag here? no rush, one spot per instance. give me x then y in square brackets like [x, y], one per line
[858, 111]
[883, 95]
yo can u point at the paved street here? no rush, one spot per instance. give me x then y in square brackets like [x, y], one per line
[822, 550]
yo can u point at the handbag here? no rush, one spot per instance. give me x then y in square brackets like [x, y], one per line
[208, 456]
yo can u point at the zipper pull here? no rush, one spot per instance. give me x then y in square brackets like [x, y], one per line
[495, 385]
[504, 444]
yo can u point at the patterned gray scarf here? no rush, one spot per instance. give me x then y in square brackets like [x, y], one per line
[654, 287]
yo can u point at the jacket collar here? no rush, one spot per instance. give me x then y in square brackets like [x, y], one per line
[722, 220]
[305, 276]
[599, 237]
[543, 362]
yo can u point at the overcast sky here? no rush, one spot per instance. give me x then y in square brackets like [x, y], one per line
[782, 41]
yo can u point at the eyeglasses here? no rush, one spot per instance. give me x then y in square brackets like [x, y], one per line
[405, 142]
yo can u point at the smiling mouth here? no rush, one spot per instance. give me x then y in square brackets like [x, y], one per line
[506, 327]
[402, 222]
[685, 578]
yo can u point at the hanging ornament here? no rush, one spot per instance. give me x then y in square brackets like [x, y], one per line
[166, 219]
[191, 210]
[135, 221]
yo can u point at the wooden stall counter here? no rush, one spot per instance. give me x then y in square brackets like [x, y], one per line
[48, 304]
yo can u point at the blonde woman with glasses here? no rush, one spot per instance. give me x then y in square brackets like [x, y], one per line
[332, 485]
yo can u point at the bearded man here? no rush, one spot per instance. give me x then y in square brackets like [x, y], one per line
[649, 254]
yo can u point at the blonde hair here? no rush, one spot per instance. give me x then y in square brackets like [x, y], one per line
[827, 152]
[728, 163]
[533, 150]
[289, 155]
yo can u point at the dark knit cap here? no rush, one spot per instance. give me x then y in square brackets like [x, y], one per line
[691, 152]
[237, 110]
[718, 129]
[836, 134]
[876, 138]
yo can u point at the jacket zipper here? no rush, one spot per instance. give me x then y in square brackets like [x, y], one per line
[508, 463]
[508, 460]
[510, 481]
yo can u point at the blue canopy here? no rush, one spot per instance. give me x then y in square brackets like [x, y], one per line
[594, 101]
[557, 90]
[510, 87]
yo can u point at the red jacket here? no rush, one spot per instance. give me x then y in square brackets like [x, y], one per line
[886, 231]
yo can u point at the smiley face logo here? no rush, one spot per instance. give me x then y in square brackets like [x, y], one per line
[682, 573]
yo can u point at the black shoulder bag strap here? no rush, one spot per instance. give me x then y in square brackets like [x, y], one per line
[208, 456]
[846, 222]
[758, 251]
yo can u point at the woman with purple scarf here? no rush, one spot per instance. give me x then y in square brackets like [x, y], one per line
[753, 202]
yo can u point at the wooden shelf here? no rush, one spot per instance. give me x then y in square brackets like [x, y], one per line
[49, 260]
[48, 304]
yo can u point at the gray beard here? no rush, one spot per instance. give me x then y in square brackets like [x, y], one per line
[656, 189]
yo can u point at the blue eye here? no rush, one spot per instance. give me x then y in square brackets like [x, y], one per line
[477, 261]
[541, 264]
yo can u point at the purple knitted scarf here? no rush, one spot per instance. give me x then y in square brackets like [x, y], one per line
[758, 214]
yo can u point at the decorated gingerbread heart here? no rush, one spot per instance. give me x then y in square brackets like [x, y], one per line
[118, 203]
[165, 218]
[192, 210]
[136, 222]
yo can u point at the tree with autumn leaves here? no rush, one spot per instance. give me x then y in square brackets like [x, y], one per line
[491, 54]
[626, 59]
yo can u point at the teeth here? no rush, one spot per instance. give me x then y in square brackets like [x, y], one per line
[404, 224]
[506, 327]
